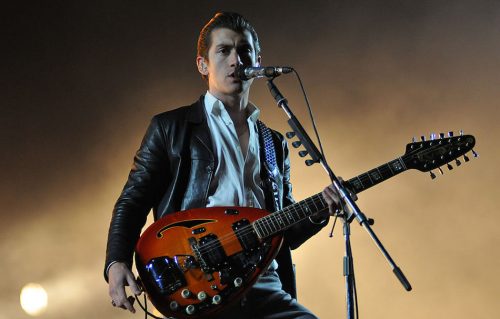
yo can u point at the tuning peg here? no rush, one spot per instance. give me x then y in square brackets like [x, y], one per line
[433, 136]
[466, 158]
[449, 166]
[475, 154]
[303, 153]
[457, 162]
[450, 134]
[440, 170]
[290, 134]
[441, 135]
[433, 175]
[461, 133]
[422, 138]
[413, 139]
[309, 162]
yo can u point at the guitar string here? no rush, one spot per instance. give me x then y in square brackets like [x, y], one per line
[269, 221]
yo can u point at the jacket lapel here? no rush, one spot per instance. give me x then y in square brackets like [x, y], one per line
[201, 146]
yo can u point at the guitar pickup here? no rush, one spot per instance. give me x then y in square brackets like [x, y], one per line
[245, 234]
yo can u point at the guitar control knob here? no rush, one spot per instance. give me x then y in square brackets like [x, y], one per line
[238, 282]
[191, 309]
[185, 293]
[174, 305]
[217, 299]
[202, 295]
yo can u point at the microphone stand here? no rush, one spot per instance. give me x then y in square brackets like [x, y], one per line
[348, 215]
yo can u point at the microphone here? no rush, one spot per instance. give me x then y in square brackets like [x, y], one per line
[250, 72]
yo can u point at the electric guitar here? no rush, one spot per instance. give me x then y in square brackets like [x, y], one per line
[193, 263]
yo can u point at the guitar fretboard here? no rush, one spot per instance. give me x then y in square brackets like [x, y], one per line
[376, 175]
[290, 215]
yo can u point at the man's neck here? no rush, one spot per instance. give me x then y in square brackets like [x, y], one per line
[236, 105]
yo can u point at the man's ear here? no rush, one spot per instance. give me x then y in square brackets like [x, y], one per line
[202, 65]
[259, 59]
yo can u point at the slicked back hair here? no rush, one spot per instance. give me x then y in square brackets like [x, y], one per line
[228, 20]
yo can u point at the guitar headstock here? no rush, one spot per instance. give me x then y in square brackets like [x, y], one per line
[427, 155]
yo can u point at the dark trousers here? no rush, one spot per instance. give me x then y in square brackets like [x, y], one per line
[267, 300]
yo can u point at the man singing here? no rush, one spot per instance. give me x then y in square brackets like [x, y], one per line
[207, 154]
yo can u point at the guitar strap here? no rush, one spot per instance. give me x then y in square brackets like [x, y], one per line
[269, 171]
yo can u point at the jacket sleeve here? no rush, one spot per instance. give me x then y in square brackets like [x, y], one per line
[302, 231]
[141, 191]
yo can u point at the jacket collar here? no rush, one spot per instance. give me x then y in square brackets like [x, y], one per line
[197, 113]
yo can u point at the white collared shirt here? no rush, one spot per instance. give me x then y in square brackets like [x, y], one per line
[236, 181]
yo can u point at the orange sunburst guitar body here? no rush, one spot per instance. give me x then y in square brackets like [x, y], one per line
[195, 261]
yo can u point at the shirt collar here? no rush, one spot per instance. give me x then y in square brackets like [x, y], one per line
[215, 106]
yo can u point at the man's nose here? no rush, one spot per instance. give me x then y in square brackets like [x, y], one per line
[235, 58]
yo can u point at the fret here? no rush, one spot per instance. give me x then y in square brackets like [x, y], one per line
[324, 204]
[392, 172]
[375, 175]
[270, 221]
[261, 230]
[402, 163]
[275, 223]
[265, 225]
[280, 220]
[367, 180]
[398, 165]
[371, 181]
[315, 206]
[265, 220]
[304, 208]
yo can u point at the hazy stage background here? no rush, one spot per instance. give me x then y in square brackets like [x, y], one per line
[80, 81]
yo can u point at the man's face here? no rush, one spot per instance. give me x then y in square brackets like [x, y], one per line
[228, 49]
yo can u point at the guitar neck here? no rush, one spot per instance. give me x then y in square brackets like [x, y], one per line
[292, 214]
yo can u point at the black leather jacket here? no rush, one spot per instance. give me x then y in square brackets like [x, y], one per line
[172, 171]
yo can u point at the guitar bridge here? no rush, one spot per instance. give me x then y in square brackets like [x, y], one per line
[209, 252]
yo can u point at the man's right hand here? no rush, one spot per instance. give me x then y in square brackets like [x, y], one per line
[120, 276]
